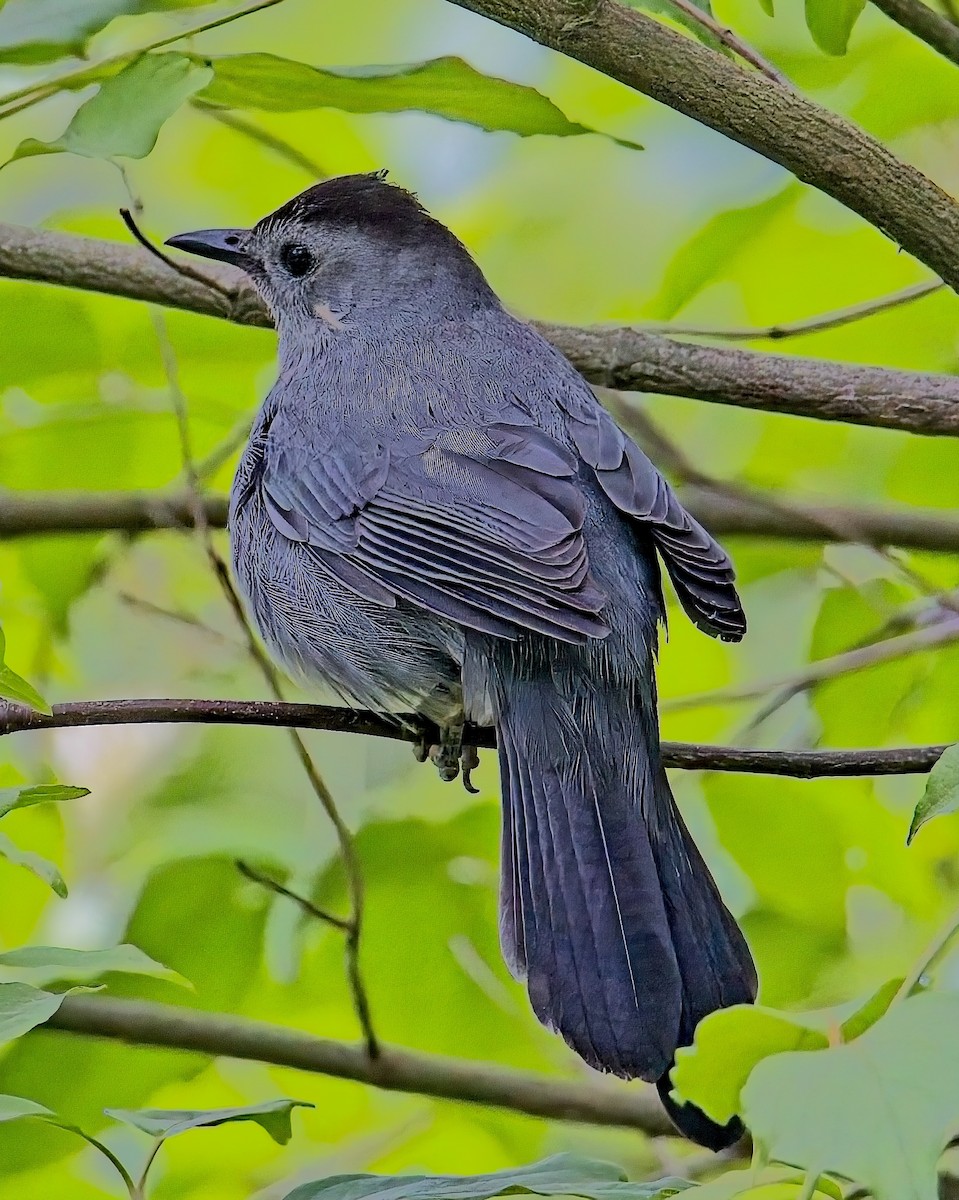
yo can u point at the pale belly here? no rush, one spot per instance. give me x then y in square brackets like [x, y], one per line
[387, 659]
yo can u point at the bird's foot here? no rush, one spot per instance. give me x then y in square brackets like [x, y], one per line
[450, 755]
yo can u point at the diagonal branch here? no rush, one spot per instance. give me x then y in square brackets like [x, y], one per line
[747, 513]
[625, 358]
[594, 1101]
[941, 633]
[801, 764]
[818, 146]
[804, 325]
[929, 26]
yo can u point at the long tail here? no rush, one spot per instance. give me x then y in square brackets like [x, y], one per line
[607, 907]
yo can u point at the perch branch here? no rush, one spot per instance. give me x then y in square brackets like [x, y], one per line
[802, 764]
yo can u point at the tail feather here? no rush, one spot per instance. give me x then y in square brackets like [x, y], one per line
[715, 964]
[607, 908]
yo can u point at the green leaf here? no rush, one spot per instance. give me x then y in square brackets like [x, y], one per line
[36, 31]
[831, 22]
[47, 963]
[13, 1108]
[728, 1045]
[22, 1008]
[878, 1110]
[41, 867]
[15, 688]
[561, 1175]
[274, 1116]
[42, 793]
[941, 794]
[445, 87]
[715, 247]
[125, 116]
[768, 7]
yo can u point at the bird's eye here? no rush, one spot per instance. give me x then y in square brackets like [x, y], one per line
[296, 259]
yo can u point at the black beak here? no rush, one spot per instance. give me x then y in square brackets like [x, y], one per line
[223, 244]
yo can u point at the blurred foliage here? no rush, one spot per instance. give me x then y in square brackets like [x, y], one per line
[575, 229]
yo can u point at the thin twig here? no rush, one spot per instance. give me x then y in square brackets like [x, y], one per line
[815, 324]
[256, 133]
[596, 1101]
[35, 92]
[939, 634]
[182, 268]
[221, 454]
[354, 878]
[731, 40]
[12, 109]
[407, 727]
[274, 885]
[172, 614]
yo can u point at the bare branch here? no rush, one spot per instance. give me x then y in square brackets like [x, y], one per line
[936, 31]
[624, 358]
[928, 638]
[274, 885]
[819, 147]
[407, 727]
[787, 329]
[748, 514]
[594, 1100]
[631, 360]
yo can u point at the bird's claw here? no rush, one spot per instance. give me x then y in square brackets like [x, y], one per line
[450, 756]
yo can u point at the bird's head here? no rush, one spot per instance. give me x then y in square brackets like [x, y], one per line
[353, 248]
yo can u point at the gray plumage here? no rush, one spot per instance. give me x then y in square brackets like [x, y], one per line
[434, 512]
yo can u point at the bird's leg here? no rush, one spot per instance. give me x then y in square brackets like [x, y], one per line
[449, 755]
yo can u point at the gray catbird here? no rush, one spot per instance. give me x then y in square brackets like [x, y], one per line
[434, 512]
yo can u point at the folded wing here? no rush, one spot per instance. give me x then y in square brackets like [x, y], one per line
[479, 525]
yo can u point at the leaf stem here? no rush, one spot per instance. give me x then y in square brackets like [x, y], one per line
[140, 1189]
[121, 1170]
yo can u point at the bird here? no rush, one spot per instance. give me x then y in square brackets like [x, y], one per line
[435, 514]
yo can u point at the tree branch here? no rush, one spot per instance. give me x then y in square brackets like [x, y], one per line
[818, 146]
[804, 325]
[632, 360]
[937, 31]
[31, 514]
[801, 764]
[593, 1101]
[861, 658]
[624, 358]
